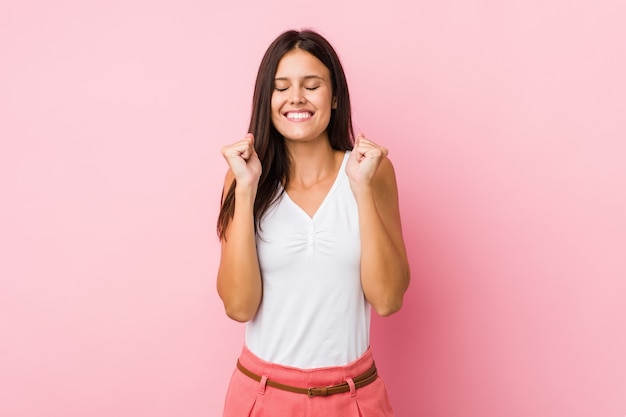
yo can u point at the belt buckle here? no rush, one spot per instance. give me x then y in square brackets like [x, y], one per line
[310, 393]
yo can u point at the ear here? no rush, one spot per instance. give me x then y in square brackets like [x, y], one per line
[334, 103]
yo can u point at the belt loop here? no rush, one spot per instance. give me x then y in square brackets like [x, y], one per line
[263, 384]
[352, 387]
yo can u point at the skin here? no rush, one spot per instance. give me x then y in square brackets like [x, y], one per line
[303, 87]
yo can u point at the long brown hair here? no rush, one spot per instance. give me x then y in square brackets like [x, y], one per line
[268, 143]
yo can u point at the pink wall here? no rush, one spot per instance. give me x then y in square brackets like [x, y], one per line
[505, 121]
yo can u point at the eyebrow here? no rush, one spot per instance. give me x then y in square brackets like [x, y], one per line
[306, 77]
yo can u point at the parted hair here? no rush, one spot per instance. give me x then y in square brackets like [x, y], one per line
[269, 144]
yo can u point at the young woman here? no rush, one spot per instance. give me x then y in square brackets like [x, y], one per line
[311, 238]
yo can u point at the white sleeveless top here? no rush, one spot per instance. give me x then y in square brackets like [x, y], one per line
[313, 312]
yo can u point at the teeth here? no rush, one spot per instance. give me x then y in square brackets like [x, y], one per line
[300, 115]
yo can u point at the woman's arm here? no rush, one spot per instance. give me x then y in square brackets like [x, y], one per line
[239, 276]
[384, 265]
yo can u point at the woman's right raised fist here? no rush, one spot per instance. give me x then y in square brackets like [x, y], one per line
[243, 161]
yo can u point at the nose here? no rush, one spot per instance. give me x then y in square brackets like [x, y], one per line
[297, 96]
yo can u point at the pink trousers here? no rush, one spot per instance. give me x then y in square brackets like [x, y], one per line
[249, 398]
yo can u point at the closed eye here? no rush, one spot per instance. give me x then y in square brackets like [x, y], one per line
[283, 89]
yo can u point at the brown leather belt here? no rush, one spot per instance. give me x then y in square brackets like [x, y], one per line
[360, 381]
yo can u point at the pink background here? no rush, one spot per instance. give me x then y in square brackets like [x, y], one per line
[505, 121]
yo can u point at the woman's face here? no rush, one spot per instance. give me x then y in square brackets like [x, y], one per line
[302, 99]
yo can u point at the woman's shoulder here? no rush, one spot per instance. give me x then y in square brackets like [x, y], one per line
[385, 173]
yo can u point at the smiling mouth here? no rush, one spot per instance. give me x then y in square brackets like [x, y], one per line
[296, 116]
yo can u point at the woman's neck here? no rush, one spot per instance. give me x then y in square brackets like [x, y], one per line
[312, 162]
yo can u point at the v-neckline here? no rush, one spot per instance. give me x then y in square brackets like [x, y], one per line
[329, 193]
